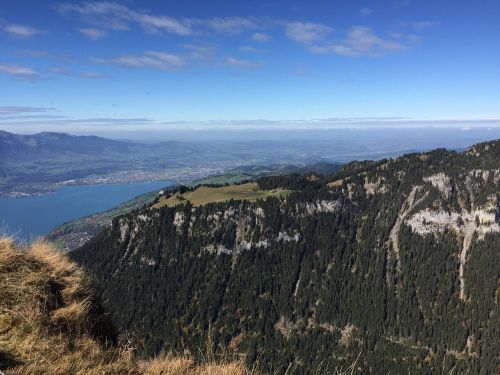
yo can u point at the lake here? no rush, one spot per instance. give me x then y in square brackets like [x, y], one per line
[30, 217]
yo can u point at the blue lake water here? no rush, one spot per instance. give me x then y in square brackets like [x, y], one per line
[29, 217]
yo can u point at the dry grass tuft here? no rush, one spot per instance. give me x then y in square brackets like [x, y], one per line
[169, 365]
[51, 323]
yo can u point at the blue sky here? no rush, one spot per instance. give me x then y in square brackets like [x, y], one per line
[89, 66]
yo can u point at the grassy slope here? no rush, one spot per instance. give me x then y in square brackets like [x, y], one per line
[205, 194]
[51, 323]
[336, 183]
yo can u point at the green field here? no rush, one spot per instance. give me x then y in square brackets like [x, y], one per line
[205, 194]
[336, 183]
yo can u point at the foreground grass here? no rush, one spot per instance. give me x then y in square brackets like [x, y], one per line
[52, 323]
[205, 194]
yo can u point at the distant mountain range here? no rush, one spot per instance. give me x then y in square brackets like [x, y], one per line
[33, 164]
[39, 163]
[14, 147]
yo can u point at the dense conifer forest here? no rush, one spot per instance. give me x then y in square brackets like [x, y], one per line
[392, 266]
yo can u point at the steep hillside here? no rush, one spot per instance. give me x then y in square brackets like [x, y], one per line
[52, 323]
[392, 265]
[76, 233]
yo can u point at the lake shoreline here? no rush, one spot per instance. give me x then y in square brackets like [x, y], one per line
[36, 215]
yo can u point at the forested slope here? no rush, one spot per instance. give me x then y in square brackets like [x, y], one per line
[392, 265]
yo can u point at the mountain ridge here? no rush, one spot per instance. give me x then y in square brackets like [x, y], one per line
[70, 235]
[368, 260]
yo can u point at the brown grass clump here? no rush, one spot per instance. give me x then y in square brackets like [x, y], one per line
[52, 323]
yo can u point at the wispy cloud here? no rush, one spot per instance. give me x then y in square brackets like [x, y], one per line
[365, 12]
[163, 23]
[261, 37]
[204, 54]
[200, 52]
[20, 31]
[156, 60]
[55, 123]
[94, 34]
[405, 37]
[307, 32]
[70, 73]
[114, 16]
[231, 25]
[423, 24]
[15, 110]
[18, 71]
[359, 41]
[45, 54]
[249, 49]
[104, 17]
[16, 118]
[240, 63]
[109, 121]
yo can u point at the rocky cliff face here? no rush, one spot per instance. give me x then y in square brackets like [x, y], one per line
[393, 264]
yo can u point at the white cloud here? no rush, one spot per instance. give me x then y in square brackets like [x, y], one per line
[45, 54]
[91, 75]
[14, 110]
[248, 49]
[413, 38]
[99, 60]
[23, 31]
[18, 70]
[94, 33]
[359, 41]
[407, 37]
[307, 32]
[365, 12]
[231, 25]
[261, 37]
[29, 73]
[148, 60]
[164, 23]
[113, 16]
[424, 24]
[240, 63]
[200, 51]
[70, 73]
